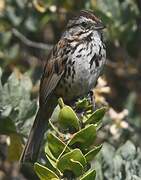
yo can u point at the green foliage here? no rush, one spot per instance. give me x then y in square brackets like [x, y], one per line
[16, 111]
[44, 173]
[71, 148]
[16, 106]
[96, 116]
[120, 18]
[89, 175]
[67, 117]
[123, 163]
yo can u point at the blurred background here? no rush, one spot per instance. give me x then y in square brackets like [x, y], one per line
[28, 31]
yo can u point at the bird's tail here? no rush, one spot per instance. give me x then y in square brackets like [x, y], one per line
[33, 144]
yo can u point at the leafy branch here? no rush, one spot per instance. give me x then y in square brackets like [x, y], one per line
[70, 152]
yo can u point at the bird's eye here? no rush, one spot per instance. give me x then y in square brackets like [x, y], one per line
[84, 24]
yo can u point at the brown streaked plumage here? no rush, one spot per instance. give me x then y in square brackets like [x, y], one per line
[72, 69]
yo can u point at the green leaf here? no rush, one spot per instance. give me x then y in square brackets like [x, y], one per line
[56, 145]
[91, 154]
[12, 16]
[89, 176]
[15, 146]
[26, 109]
[84, 138]
[111, 162]
[67, 118]
[51, 161]
[6, 37]
[81, 104]
[73, 161]
[127, 151]
[97, 116]
[50, 156]
[44, 173]
[14, 106]
[7, 126]
[13, 51]
[30, 23]
[110, 8]
[5, 111]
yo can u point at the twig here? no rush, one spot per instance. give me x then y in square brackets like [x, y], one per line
[30, 43]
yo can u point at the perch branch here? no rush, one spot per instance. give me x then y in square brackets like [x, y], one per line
[30, 43]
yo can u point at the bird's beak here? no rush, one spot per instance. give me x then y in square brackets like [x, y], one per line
[99, 26]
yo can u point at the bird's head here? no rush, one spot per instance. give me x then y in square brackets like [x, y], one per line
[86, 20]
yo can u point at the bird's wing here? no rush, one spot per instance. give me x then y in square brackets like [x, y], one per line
[53, 71]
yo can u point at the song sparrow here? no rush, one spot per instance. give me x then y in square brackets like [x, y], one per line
[71, 71]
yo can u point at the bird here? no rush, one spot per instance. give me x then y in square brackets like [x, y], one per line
[71, 71]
